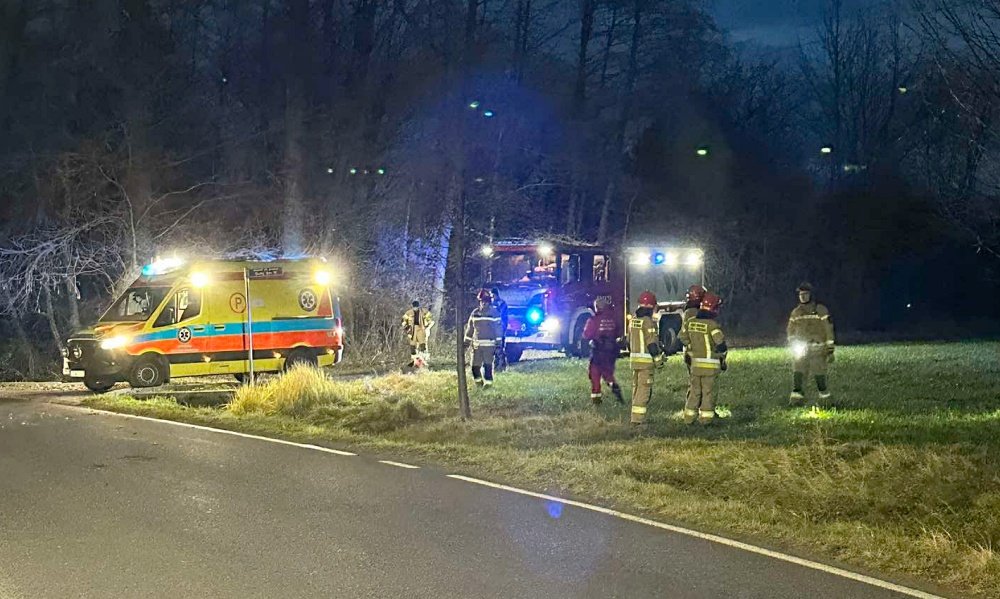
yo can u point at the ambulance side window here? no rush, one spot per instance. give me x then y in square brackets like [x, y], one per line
[185, 304]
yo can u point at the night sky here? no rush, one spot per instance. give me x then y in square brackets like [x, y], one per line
[774, 22]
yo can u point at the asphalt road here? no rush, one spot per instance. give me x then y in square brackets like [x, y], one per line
[94, 505]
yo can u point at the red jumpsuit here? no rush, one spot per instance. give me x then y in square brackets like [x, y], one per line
[604, 330]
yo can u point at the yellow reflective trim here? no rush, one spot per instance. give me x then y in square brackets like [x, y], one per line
[705, 414]
[697, 327]
[638, 409]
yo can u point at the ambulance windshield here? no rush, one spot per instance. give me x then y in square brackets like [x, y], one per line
[136, 305]
[669, 285]
[522, 268]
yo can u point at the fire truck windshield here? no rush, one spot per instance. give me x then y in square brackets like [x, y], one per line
[136, 305]
[522, 268]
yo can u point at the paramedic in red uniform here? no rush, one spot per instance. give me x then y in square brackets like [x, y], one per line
[604, 333]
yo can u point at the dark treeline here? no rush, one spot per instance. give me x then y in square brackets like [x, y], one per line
[357, 129]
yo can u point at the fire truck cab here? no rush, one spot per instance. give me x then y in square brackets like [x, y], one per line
[550, 288]
[205, 318]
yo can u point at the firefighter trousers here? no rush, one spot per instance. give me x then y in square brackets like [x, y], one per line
[642, 393]
[814, 363]
[701, 395]
[482, 364]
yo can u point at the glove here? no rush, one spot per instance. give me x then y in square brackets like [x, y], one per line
[687, 359]
[722, 364]
[467, 344]
[829, 354]
[592, 344]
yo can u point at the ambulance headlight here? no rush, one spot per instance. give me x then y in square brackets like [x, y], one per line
[323, 277]
[486, 251]
[671, 260]
[76, 352]
[798, 349]
[199, 279]
[545, 249]
[116, 342]
[550, 325]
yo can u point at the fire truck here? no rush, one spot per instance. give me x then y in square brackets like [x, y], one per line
[550, 288]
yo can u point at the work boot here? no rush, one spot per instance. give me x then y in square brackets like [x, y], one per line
[487, 383]
[796, 399]
[616, 390]
[478, 381]
[595, 398]
[706, 418]
[825, 395]
[690, 416]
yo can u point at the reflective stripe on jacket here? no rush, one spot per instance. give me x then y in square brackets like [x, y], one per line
[811, 323]
[483, 328]
[641, 334]
[702, 338]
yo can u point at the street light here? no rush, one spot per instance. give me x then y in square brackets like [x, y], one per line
[702, 151]
[826, 150]
[474, 104]
[488, 114]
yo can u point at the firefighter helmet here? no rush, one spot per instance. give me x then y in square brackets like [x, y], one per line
[485, 296]
[647, 299]
[415, 303]
[711, 303]
[805, 287]
[695, 293]
[602, 303]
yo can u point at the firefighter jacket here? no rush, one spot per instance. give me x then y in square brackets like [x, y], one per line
[705, 343]
[416, 323]
[811, 323]
[604, 331]
[483, 328]
[688, 314]
[643, 343]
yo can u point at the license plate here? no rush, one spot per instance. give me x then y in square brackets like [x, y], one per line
[77, 373]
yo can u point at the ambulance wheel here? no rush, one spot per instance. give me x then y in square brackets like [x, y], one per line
[300, 356]
[98, 384]
[148, 371]
[244, 377]
[670, 326]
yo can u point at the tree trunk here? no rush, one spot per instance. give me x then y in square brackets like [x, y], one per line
[586, 32]
[72, 292]
[294, 213]
[24, 342]
[625, 114]
[50, 315]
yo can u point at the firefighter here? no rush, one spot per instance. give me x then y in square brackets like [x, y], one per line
[810, 337]
[482, 333]
[501, 349]
[644, 355]
[693, 297]
[417, 323]
[705, 349]
[603, 331]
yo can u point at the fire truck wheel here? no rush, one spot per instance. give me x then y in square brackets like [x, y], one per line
[514, 354]
[98, 384]
[148, 371]
[580, 347]
[300, 356]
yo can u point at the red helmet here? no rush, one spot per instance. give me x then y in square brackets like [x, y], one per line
[711, 303]
[695, 294]
[485, 296]
[647, 299]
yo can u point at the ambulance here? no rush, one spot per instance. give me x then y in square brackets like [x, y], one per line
[206, 317]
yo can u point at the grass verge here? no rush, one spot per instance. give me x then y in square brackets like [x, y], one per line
[898, 474]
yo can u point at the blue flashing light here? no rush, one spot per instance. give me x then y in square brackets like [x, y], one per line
[148, 271]
[659, 258]
[534, 315]
[488, 114]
